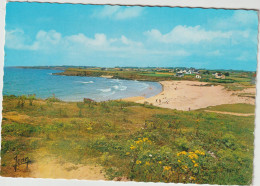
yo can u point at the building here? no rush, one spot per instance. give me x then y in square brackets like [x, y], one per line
[219, 75]
[179, 74]
[198, 76]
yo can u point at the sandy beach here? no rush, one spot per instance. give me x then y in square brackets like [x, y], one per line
[192, 95]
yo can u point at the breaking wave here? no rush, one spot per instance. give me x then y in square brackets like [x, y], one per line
[105, 90]
[85, 82]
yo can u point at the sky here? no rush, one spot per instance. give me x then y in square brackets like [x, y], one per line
[41, 34]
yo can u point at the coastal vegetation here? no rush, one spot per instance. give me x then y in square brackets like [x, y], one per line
[131, 141]
[234, 80]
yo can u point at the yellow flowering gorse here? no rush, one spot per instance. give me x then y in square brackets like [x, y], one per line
[166, 168]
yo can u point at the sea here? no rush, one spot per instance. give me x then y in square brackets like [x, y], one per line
[42, 82]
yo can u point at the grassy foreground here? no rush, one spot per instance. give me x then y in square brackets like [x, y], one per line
[136, 141]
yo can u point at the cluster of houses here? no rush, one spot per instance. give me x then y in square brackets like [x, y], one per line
[181, 73]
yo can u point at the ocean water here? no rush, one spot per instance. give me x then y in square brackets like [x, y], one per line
[41, 82]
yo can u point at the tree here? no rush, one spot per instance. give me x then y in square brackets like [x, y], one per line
[226, 73]
[206, 72]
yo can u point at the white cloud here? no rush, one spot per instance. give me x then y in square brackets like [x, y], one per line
[186, 35]
[129, 42]
[52, 41]
[99, 40]
[79, 47]
[16, 39]
[107, 11]
[130, 12]
[239, 20]
[245, 17]
[119, 13]
[51, 37]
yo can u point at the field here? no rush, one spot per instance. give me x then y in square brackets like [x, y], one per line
[237, 108]
[129, 141]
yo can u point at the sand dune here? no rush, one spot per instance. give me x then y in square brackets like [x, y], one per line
[192, 95]
[46, 166]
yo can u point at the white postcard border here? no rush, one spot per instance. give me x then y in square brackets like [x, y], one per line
[224, 4]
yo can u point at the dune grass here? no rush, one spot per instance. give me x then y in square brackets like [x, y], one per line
[136, 141]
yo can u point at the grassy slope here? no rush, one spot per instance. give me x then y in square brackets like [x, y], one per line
[131, 140]
[237, 108]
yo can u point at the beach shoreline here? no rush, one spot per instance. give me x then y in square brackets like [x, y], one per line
[193, 95]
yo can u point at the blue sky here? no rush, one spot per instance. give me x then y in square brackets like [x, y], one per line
[108, 36]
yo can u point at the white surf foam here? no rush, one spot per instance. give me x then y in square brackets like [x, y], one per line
[105, 90]
[123, 88]
[85, 82]
[120, 87]
[116, 87]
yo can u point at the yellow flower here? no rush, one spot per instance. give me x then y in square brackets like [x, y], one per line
[89, 128]
[160, 162]
[127, 153]
[147, 163]
[132, 147]
[179, 161]
[197, 120]
[193, 161]
[202, 153]
[138, 162]
[137, 142]
[145, 139]
[192, 156]
[197, 151]
[167, 168]
[196, 165]
[192, 178]
[183, 152]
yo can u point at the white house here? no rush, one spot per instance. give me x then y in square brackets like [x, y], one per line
[220, 76]
[179, 74]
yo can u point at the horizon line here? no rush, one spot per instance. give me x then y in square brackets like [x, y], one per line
[90, 66]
